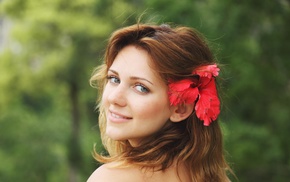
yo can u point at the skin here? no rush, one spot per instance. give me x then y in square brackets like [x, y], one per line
[108, 173]
[135, 98]
[136, 104]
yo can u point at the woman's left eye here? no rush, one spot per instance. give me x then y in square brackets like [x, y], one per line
[141, 88]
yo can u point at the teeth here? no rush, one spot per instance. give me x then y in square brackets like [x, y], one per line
[117, 116]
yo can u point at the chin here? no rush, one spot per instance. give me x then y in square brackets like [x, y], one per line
[115, 137]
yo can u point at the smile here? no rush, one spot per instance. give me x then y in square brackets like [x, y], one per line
[118, 116]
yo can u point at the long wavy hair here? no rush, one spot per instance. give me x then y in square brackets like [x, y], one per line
[175, 53]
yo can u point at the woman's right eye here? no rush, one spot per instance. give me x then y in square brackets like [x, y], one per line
[113, 79]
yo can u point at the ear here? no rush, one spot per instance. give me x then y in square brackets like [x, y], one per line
[181, 112]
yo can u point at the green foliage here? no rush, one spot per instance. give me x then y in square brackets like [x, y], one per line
[47, 106]
[253, 38]
[48, 124]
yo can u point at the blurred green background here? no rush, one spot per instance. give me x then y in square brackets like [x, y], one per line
[48, 49]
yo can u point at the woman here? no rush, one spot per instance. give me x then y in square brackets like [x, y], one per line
[158, 107]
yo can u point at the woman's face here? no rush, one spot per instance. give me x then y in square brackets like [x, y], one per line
[135, 98]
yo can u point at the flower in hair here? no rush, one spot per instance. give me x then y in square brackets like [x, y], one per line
[199, 89]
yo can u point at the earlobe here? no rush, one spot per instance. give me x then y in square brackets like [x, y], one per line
[181, 112]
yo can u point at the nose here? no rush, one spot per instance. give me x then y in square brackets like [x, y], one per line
[117, 96]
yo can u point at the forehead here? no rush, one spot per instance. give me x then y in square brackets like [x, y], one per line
[134, 60]
[133, 53]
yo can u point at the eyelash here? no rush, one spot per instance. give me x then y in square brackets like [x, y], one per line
[143, 89]
[110, 79]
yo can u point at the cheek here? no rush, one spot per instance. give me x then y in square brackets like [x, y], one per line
[155, 109]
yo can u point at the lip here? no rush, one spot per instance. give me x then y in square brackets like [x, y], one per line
[116, 117]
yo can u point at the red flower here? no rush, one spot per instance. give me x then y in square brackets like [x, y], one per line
[208, 105]
[207, 71]
[183, 91]
[202, 91]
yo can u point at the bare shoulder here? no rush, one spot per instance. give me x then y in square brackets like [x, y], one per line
[101, 174]
[110, 174]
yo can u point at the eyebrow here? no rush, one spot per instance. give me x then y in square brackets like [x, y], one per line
[133, 77]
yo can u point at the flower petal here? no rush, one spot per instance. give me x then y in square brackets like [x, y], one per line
[190, 95]
[203, 90]
[174, 98]
[180, 85]
[208, 105]
[207, 71]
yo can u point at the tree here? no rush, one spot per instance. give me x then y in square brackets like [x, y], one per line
[252, 45]
[46, 103]
[53, 48]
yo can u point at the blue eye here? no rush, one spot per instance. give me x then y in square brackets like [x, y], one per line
[113, 79]
[141, 88]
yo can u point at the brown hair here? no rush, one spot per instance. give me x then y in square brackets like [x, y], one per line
[175, 52]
